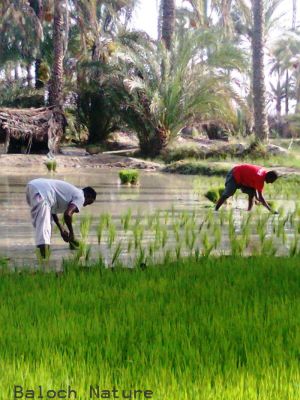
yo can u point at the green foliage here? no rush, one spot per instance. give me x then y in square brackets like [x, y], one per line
[129, 176]
[158, 92]
[11, 95]
[194, 167]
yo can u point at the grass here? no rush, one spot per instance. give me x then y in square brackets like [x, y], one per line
[224, 328]
[188, 159]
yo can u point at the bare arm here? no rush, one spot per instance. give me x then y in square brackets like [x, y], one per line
[263, 201]
[63, 232]
[56, 220]
[68, 219]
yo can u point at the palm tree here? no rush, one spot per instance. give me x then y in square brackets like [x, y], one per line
[56, 83]
[168, 22]
[95, 32]
[158, 104]
[259, 91]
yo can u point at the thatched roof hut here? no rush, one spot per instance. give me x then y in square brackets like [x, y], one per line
[38, 129]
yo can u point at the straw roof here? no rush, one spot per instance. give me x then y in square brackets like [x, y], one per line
[44, 125]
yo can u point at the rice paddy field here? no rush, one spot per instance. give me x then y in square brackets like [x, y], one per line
[171, 302]
[216, 328]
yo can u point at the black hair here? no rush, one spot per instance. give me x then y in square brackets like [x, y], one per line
[271, 176]
[89, 192]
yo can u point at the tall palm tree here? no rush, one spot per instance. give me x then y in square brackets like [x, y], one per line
[259, 90]
[37, 6]
[158, 104]
[168, 22]
[56, 83]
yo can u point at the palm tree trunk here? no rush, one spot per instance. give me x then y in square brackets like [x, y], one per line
[37, 6]
[287, 79]
[294, 15]
[168, 21]
[259, 90]
[56, 82]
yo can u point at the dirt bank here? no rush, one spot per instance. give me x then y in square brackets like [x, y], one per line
[74, 159]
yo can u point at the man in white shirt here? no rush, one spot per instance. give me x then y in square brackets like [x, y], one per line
[48, 197]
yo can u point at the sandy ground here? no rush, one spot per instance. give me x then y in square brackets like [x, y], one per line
[74, 158]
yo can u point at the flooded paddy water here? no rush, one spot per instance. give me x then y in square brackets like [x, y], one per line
[163, 218]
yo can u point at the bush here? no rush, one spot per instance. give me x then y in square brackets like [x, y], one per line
[194, 167]
[129, 176]
[214, 194]
[176, 153]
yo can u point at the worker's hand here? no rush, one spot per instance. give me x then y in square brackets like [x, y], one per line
[65, 235]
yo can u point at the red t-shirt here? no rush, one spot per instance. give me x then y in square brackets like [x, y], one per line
[250, 175]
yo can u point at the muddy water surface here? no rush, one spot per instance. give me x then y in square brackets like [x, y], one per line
[156, 191]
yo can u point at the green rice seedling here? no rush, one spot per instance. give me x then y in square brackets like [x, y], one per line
[217, 237]
[164, 237]
[51, 165]
[129, 176]
[207, 245]
[197, 254]
[150, 221]
[214, 194]
[281, 211]
[44, 262]
[85, 224]
[184, 217]
[157, 236]
[293, 249]
[209, 219]
[116, 254]
[129, 245]
[141, 258]
[166, 217]
[237, 245]
[82, 254]
[125, 220]
[101, 260]
[268, 248]
[293, 216]
[138, 218]
[4, 263]
[167, 257]
[297, 209]
[100, 228]
[201, 226]
[138, 234]
[178, 251]
[222, 216]
[193, 239]
[151, 250]
[111, 234]
[187, 237]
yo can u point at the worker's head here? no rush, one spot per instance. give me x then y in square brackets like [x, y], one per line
[89, 195]
[271, 176]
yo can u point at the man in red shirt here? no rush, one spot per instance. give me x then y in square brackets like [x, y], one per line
[250, 179]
